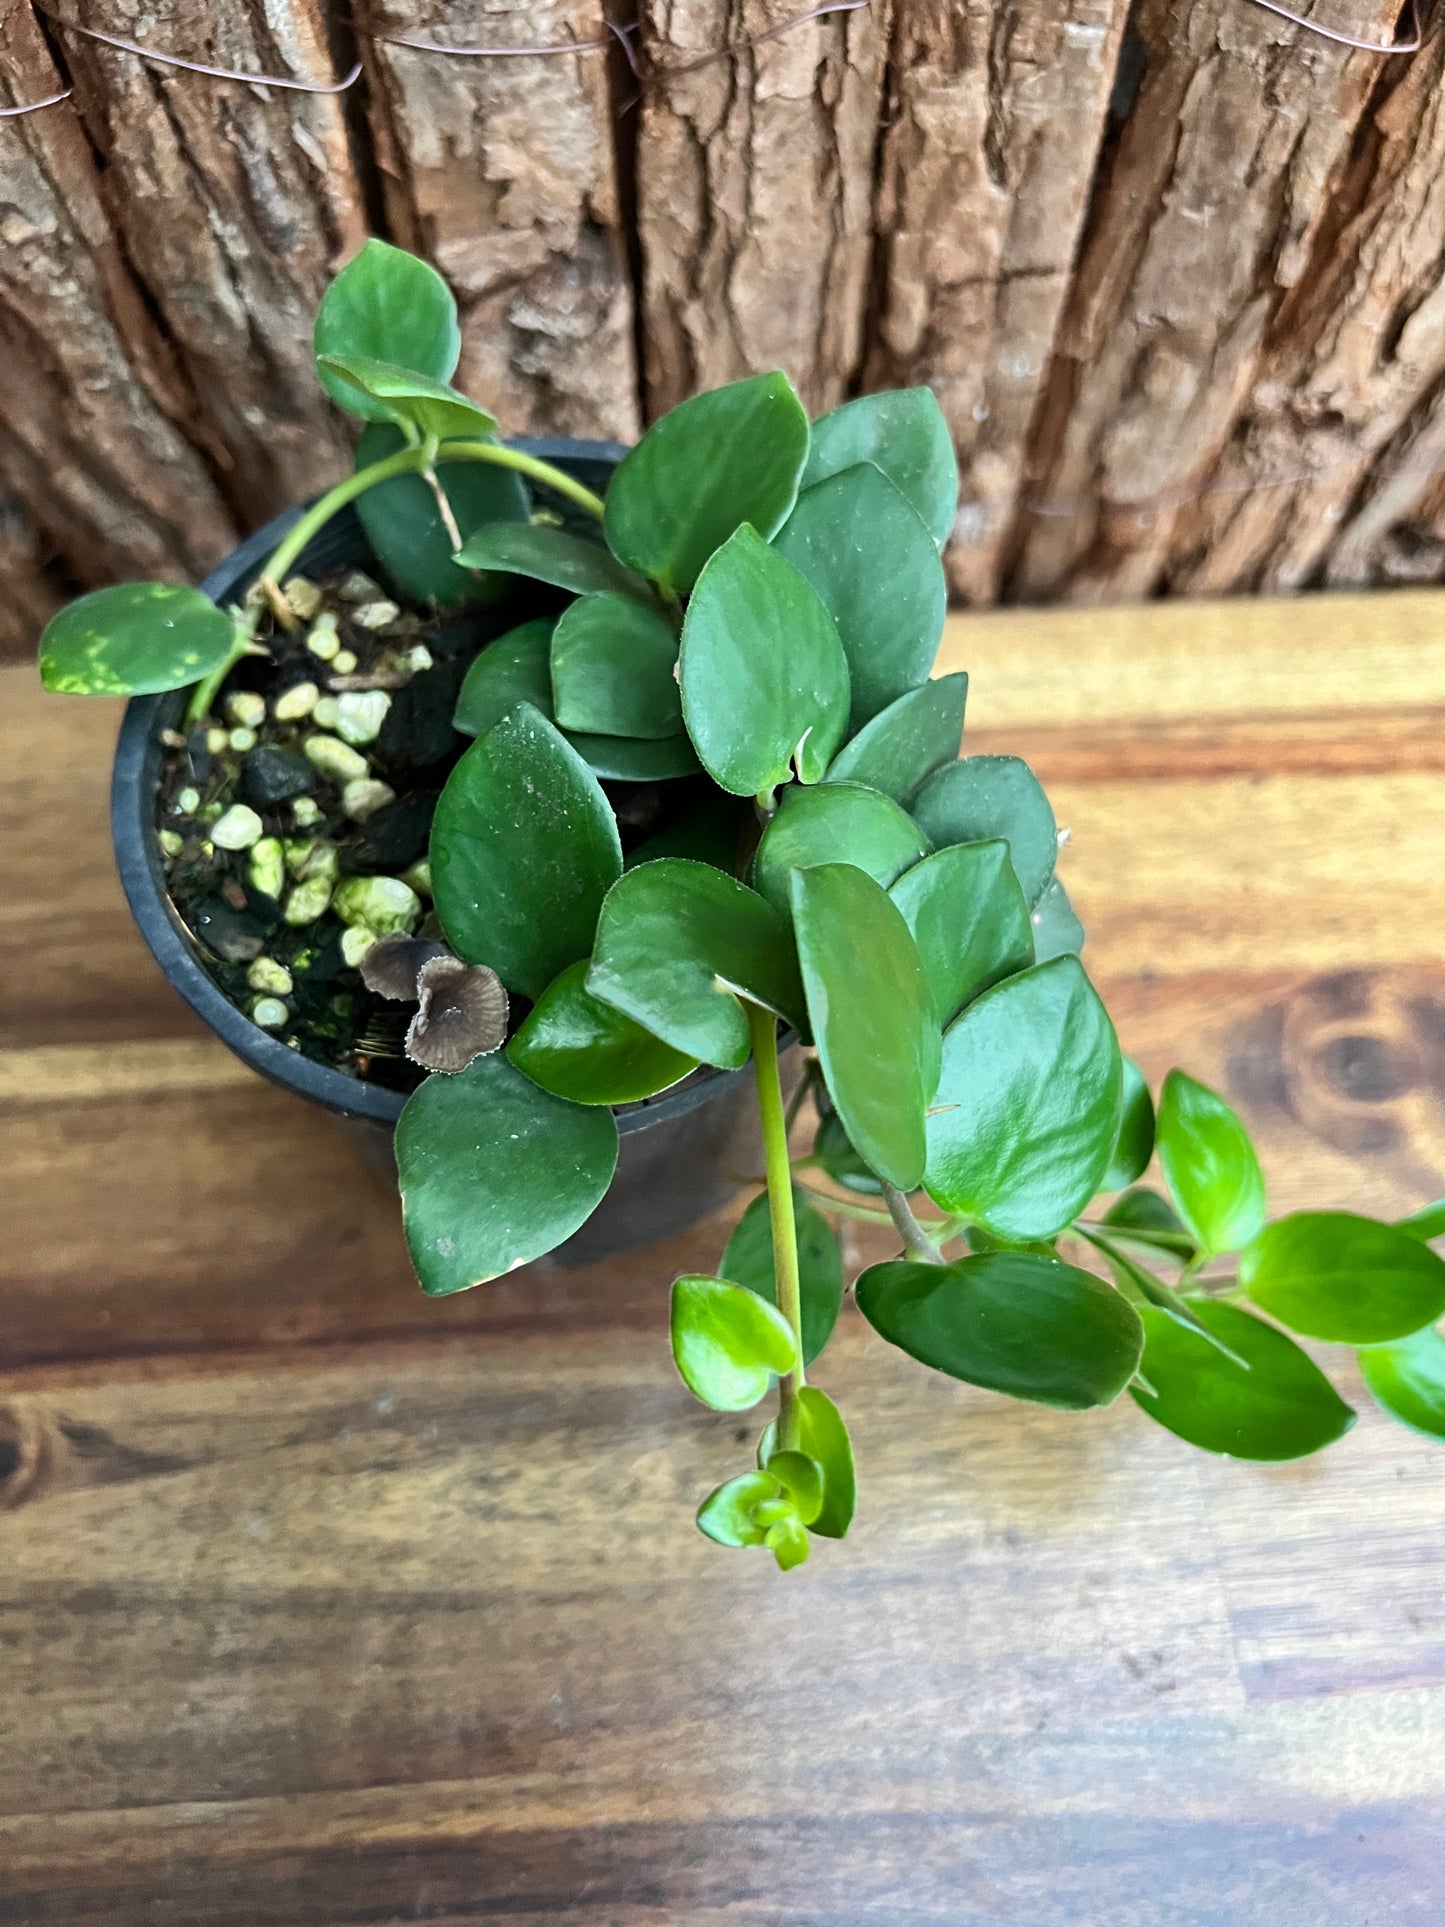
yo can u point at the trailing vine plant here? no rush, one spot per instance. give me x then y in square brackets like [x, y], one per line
[761, 599]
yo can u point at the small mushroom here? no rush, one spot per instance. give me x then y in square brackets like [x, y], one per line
[393, 964]
[461, 1014]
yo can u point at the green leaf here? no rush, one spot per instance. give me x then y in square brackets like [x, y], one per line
[836, 1153]
[551, 555]
[871, 1013]
[748, 1261]
[1134, 1145]
[834, 822]
[903, 433]
[1426, 1223]
[1209, 1165]
[431, 407]
[989, 796]
[523, 849]
[788, 1543]
[517, 668]
[576, 1047]
[1027, 1104]
[612, 669]
[1141, 1287]
[801, 1478]
[1145, 1210]
[879, 575]
[711, 464]
[1280, 1407]
[495, 1172]
[824, 1437]
[1408, 1380]
[728, 1343]
[1057, 931]
[389, 306]
[969, 920]
[404, 524]
[133, 640]
[764, 677]
[675, 939]
[1011, 1321]
[905, 743]
[726, 1515]
[1332, 1275]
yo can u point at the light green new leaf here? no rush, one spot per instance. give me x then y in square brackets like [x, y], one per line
[835, 822]
[133, 640]
[901, 747]
[495, 1172]
[823, 1436]
[1408, 1380]
[404, 525]
[545, 554]
[1278, 1404]
[388, 306]
[1011, 1321]
[1209, 1165]
[764, 677]
[729, 457]
[1134, 1145]
[748, 1261]
[880, 577]
[676, 940]
[990, 796]
[1057, 931]
[903, 433]
[1027, 1105]
[524, 847]
[728, 1343]
[1332, 1275]
[1154, 1218]
[612, 669]
[871, 1013]
[432, 408]
[576, 1047]
[756, 1509]
[802, 1479]
[969, 919]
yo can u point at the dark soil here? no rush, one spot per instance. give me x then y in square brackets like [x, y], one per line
[240, 928]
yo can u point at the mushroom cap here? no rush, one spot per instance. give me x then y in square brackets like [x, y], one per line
[394, 964]
[461, 1014]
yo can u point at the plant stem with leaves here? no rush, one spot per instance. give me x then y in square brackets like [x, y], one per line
[763, 1027]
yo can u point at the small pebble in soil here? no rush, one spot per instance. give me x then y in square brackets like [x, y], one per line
[270, 1013]
[305, 811]
[357, 586]
[309, 857]
[238, 829]
[364, 796]
[231, 934]
[356, 940]
[416, 659]
[216, 740]
[325, 712]
[334, 758]
[383, 904]
[188, 801]
[418, 877]
[360, 714]
[344, 662]
[270, 977]
[171, 842]
[245, 709]
[271, 776]
[293, 705]
[308, 901]
[303, 595]
[323, 641]
[242, 740]
[375, 615]
[267, 869]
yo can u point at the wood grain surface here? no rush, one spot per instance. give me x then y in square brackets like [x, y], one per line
[323, 1603]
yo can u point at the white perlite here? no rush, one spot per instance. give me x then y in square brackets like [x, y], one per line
[238, 829]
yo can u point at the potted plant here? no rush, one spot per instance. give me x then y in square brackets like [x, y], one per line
[711, 801]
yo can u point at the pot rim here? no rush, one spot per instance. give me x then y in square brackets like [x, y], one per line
[134, 780]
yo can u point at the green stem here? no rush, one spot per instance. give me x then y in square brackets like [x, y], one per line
[916, 1240]
[764, 1029]
[209, 687]
[309, 524]
[500, 456]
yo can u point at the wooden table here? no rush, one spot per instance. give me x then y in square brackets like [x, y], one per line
[311, 1608]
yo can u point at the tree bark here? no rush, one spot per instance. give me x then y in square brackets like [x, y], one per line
[755, 177]
[995, 122]
[92, 447]
[234, 204]
[501, 171]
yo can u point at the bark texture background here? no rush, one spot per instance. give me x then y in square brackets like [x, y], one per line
[1175, 270]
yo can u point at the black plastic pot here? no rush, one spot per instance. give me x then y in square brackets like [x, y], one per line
[681, 1153]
